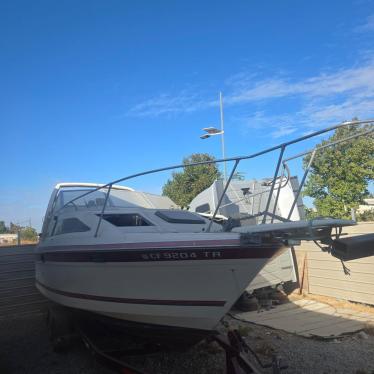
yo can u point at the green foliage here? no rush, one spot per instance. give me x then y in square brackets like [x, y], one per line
[3, 228]
[185, 185]
[14, 228]
[239, 176]
[29, 233]
[340, 174]
[366, 216]
[310, 213]
[244, 330]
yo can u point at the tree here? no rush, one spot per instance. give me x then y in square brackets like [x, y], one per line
[185, 185]
[29, 233]
[367, 215]
[340, 175]
[14, 228]
[3, 228]
[239, 176]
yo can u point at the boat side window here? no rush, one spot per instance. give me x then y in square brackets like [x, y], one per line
[204, 208]
[69, 225]
[129, 219]
[179, 216]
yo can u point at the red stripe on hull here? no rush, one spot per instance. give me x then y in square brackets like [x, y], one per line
[134, 301]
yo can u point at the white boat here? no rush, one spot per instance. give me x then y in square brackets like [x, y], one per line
[133, 259]
[146, 264]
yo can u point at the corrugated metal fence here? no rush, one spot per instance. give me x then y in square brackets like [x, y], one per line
[324, 274]
[18, 295]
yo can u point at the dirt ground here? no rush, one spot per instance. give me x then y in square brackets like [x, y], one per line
[25, 348]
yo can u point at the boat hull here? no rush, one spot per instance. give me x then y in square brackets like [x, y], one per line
[168, 337]
[188, 288]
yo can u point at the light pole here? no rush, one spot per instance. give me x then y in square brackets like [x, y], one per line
[210, 131]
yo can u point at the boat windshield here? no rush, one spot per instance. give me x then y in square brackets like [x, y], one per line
[94, 199]
[119, 198]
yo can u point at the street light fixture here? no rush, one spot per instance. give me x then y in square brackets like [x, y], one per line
[211, 131]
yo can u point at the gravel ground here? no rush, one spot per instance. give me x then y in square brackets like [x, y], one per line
[25, 348]
[353, 354]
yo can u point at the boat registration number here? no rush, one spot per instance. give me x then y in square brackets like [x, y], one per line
[168, 255]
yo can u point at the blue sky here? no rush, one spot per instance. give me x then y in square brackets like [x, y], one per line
[95, 90]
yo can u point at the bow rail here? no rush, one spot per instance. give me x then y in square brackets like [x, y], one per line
[280, 163]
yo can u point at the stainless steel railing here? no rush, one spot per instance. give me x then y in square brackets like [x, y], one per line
[280, 163]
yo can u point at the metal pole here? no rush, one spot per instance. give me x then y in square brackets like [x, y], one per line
[103, 210]
[223, 194]
[353, 214]
[283, 147]
[222, 136]
[302, 183]
[278, 193]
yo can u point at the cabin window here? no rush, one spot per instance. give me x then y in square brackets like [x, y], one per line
[122, 220]
[69, 225]
[205, 208]
[179, 216]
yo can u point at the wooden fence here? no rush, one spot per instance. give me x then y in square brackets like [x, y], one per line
[322, 274]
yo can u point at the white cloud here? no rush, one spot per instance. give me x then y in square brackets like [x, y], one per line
[359, 80]
[344, 110]
[261, 90]
[368, 26]
[316, 100]
[276, 126]
[168, 104]
[283, 131]
[320, 100]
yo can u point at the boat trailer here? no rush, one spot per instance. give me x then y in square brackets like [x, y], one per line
[240, 358]
[109, 350]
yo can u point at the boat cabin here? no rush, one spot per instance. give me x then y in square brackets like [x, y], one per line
[77, 208]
